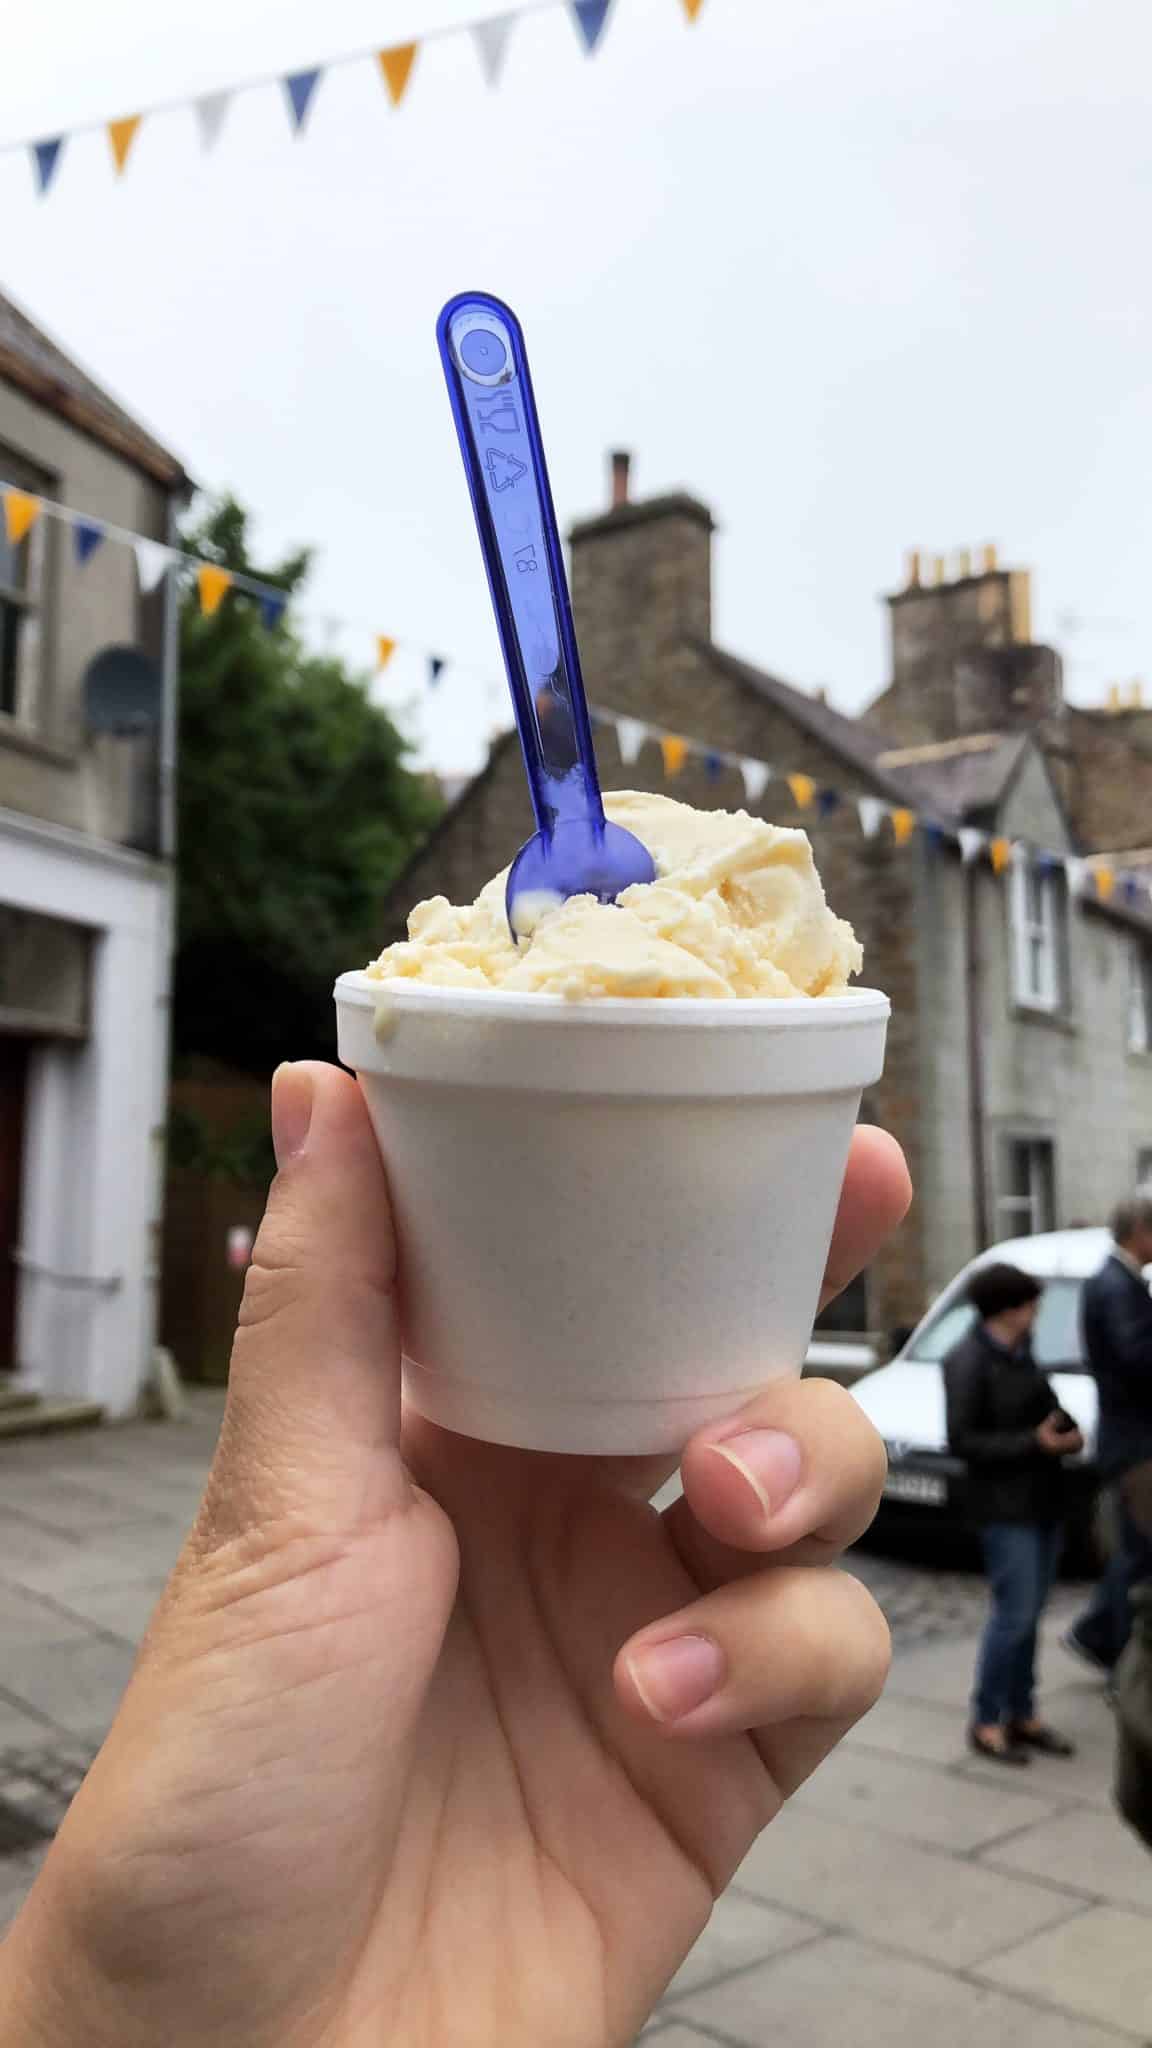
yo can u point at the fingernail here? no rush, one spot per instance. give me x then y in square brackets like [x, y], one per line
[291, 1110]
[770, 1462]
[674, 1677]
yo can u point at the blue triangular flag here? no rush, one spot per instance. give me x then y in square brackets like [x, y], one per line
[1130, 889]
[300, 86]
[87, 535]
[436, 665]
[933, 834]
[590, 17]
[46, 158]
[272, 609]
[827, 801]
[713, 766]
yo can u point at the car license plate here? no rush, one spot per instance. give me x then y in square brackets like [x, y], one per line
[922, 1487]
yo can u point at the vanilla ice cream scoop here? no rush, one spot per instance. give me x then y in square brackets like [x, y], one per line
[736, 909]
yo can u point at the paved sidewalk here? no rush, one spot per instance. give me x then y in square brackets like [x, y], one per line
[907, 1896]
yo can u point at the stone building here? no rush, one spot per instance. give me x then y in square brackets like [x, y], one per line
[1019, 1070]
[85, 887]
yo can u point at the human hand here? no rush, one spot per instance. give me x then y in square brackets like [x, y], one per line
[1056, 1436]
[399, 1765]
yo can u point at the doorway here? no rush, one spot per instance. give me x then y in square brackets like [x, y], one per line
[13, 1090]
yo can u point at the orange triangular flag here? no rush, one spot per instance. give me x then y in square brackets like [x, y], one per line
[121, 136]
[1105, 882]
[1001, 851]
[803, 790]
[385, 649]
[212, 583]
[396, 65]
[692, 8]
[673, 749]
[903, 826]
[21, 511]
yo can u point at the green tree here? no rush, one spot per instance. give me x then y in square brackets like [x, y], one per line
[296, 811]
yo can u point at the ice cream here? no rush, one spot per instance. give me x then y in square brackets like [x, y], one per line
[737, 909]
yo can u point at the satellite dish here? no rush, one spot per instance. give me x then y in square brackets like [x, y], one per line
[122, 692]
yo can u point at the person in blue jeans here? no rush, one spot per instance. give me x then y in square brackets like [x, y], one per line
[1005, 1422]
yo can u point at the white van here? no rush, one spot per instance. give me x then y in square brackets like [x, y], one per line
[905, 1400]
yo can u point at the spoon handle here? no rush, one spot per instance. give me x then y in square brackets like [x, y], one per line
[482, 349]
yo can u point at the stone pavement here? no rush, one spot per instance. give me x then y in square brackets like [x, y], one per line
[907, 1896]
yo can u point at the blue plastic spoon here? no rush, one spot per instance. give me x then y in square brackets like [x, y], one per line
[574, 851]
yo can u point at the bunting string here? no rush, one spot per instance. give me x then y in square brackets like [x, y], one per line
[489, 34]
[1100, 875]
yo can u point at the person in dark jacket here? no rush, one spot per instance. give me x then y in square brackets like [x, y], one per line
[1117, 1322]
[1134, 1678]
[1005, 1421]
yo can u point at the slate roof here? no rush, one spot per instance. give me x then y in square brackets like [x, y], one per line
[36, 364]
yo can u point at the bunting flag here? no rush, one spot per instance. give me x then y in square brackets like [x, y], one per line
[713, 766]
[756, 775]
[213, 583]
[590, 17]
[385, 649]
[631, 734]
[299, 87]
[870, 810]
[491, 39]
[673, 748]
[272, 610]
[87, 535]
[903, 824]
[436, 666]
[803, 790]
[152, 559]
[211, 111]
[827, 801]
[396, 69]
[489, 35]
[121, 136]
[46, 161]
[21, 511]
[972, 844]
[1001, 852]
[1104, 875]
[1075, 874]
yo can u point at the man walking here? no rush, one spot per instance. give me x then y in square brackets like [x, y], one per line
[1117, 1320]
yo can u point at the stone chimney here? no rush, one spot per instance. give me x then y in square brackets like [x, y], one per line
[963, 657]
[641, 583]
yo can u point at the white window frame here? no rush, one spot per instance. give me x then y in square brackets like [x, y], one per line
[1038, 910]
[25, 598]
[1027, 1214]
[1140, 995]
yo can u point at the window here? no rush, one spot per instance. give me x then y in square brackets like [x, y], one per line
[22, 569]
[1140, 996]
[1027, 1202]
[1144, 1167]
[1039, 921]
[1055, 1338]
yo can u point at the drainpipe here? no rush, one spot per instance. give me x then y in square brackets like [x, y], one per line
[975, 992]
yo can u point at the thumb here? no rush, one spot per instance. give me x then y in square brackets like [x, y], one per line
[312, 1422]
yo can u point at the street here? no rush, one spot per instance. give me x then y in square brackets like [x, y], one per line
[908, 1894]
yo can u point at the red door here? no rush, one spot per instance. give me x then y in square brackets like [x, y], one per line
[13, 1077]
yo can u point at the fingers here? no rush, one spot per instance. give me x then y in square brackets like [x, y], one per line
[313, 1411]
[875, 1197]
[794, 1655]
[796, 1477]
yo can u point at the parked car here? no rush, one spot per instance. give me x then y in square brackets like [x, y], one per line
[905, 1400]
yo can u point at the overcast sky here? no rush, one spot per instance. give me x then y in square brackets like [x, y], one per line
[863, 274]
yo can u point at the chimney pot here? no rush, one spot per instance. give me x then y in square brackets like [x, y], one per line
[963, 564]
[912, 569]
[939, 569]
[621, 466]
[988, 558]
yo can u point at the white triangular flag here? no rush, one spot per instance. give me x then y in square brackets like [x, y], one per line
[870, 810]
[972, 844]
[211, 109]
[1075, 874]
[757, 775]
[631, 734]
[491, 40]
[152, 558]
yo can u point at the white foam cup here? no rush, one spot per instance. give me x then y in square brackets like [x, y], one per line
[613, 1216]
